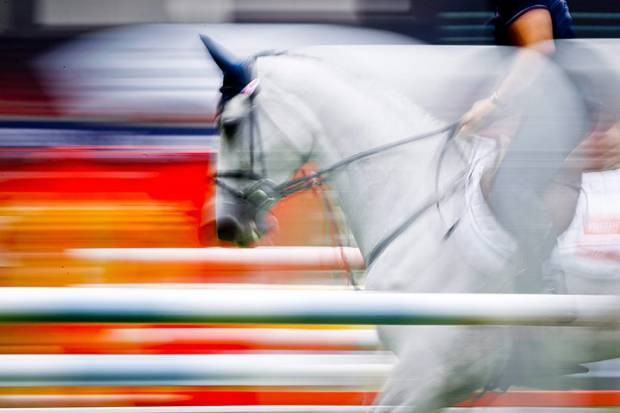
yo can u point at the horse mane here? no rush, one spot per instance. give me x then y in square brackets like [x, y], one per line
[390, 97]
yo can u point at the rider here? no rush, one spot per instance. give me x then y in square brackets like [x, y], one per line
[536, 156]
[535, 189]
[530, 24]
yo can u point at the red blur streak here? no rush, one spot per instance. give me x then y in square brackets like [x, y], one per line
[176, 175]
[110, 397]
[96, 339]
[277, 397]
[546, 398]
[22, 93]
[68, 397]
[169, 174]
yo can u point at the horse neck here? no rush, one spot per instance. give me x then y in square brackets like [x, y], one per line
[377, 193]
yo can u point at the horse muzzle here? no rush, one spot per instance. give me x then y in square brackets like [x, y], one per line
[229, 229]
[240, 222]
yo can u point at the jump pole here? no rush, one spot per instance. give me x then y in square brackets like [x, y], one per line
[295, 306]
[231, 259]
[360, 370]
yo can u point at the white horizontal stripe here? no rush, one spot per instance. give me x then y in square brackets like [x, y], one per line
[291, 370]
[302, 306]
[261, 256]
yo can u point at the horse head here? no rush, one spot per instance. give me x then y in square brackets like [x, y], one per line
[256, 149]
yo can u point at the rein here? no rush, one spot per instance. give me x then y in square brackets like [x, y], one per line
[295, 185]
[263, 193]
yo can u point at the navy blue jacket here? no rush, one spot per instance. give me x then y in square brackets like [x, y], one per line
[507, 11]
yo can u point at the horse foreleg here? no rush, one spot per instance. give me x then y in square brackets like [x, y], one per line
[441, 366]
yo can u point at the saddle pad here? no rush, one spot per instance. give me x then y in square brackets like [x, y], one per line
[590, 247]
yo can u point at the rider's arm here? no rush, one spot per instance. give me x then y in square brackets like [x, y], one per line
[532, 31]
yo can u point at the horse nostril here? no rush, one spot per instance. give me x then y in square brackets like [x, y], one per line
[228, 229]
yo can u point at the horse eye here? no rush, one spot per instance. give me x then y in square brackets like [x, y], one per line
[229, 129]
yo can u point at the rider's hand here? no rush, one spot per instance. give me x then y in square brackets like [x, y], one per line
[478, 116]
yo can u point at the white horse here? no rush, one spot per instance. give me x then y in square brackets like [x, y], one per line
[416, 210]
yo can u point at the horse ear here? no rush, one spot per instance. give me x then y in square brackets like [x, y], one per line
[236, 73]
[222, 58]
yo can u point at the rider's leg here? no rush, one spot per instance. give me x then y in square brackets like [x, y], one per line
[553, 124]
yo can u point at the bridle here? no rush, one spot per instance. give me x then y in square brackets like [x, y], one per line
[262, 193]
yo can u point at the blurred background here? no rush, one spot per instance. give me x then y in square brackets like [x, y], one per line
[107, 143]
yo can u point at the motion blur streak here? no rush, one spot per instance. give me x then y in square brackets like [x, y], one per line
[109, 144]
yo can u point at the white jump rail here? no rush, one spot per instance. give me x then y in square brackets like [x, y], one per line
[264, 258]
[270, 306]
[360, 370]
